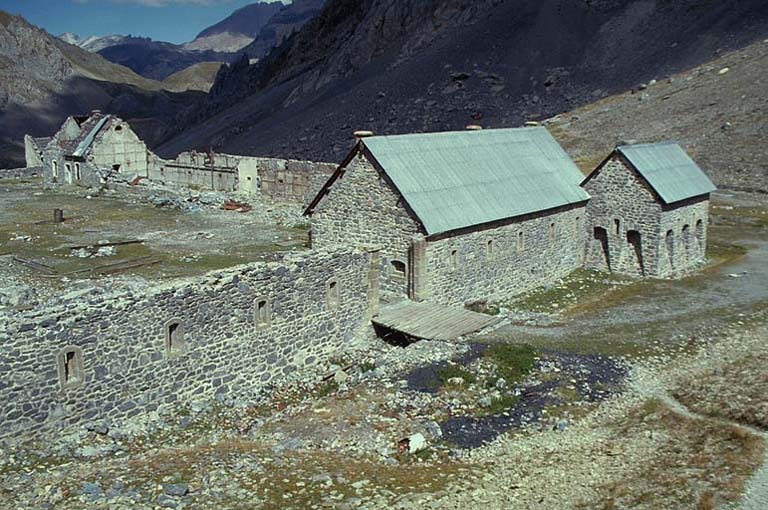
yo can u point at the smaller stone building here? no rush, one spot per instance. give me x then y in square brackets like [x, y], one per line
[649, 211]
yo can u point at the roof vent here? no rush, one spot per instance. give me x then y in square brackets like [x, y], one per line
[474, 127]
[95, 112]
[363, 134]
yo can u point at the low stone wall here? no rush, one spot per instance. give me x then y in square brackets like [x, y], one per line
[509, 259]
[21, 173]
[114, 355]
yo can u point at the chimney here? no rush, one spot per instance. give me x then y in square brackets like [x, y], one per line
[95, 112]
[359, 135]
[474, 127]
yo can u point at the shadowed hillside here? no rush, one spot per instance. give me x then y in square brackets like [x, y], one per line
[410, 66]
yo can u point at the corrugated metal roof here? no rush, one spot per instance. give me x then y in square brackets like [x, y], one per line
[86, 142]
[669, 170]
[459, 179]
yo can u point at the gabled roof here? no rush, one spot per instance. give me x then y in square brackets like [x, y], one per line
[460, 179]
[88, 130]
[666, 167]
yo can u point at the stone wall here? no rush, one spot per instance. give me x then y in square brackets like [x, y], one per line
[118, 148]
[628, 224]
[363, 209]
[505, 259]
[134, 351]
[199, 170]
[21, 173]
[686, 248]
[289, 179]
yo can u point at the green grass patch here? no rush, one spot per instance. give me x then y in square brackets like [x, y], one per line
[449, 372]
[327, 388]
[367, 366]
[575, 289]
[512, 361]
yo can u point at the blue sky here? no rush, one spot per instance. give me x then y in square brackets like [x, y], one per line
[175, 21]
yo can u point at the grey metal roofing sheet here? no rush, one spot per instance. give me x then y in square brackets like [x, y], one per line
[459, 179]
[86, 142]
[669, 170]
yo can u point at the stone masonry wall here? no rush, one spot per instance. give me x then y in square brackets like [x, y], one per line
[290, 179]
[220, 346]
[362, 209]
[622, 202]
[522, 255]
[688, 223]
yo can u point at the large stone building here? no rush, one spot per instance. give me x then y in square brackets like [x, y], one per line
[649, 211]
[483, 215]
[459, 216]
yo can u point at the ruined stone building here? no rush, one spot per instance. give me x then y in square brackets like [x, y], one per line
[649, 211]
[92, 149]
[88, 149]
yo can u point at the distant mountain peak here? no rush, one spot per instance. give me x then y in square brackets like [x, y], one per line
[237, 30]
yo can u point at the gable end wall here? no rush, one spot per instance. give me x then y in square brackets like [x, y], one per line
[362, 209]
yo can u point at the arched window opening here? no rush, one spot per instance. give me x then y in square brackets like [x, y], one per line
[174, 336]
[453, 260]
[399, 269]
[552, 233]
[334, 294]
[263, 312]
[520, 242]
[490, 249]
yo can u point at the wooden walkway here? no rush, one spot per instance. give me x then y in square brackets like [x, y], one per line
[430, 321]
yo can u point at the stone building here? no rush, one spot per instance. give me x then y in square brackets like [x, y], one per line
[459, 216]
[87, 149]
[649, 211]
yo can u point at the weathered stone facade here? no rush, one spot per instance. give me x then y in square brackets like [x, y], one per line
[631, 231]
[363, 209]
[289, 179]
[498, 261]
[115, 355]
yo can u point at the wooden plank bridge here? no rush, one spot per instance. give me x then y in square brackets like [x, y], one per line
[430, 321]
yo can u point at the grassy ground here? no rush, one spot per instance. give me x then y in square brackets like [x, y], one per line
[185, 243]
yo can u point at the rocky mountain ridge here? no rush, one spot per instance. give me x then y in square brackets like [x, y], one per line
[237, 30]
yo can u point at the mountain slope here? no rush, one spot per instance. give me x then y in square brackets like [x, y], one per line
[44, 79]
[429, 65]
[156, 60]
[717, 111]
[237, 30]
[196, 77]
